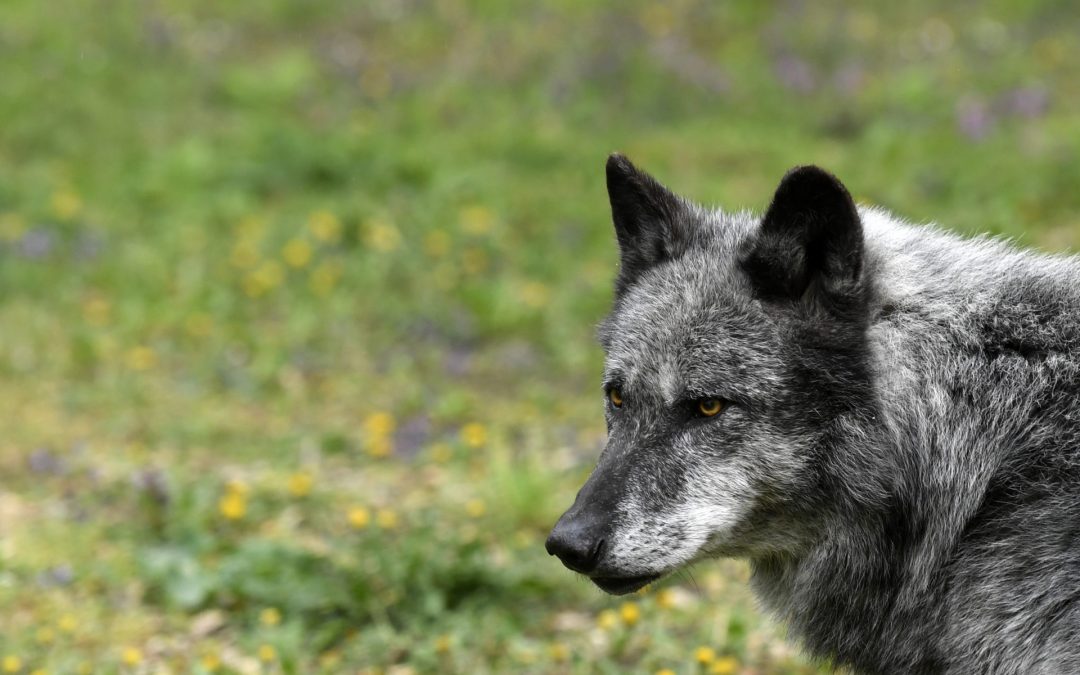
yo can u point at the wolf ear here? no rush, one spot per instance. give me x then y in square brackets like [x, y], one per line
[810, 239]
[647, 219]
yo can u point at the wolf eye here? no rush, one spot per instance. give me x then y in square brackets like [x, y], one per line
[615, 396]
[709, 407]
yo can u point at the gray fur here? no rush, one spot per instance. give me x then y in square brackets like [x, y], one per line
[905, 479]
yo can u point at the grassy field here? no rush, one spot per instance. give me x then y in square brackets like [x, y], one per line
[297, 300]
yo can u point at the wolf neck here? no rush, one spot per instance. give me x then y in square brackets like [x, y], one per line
[960, 335]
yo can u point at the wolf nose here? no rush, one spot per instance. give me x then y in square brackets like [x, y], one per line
[577, 544]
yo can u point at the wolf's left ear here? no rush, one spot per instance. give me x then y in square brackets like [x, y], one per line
[648, 219]
[810, 241]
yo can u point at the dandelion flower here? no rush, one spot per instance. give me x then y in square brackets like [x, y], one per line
[476, 220]
[704, 655]
[267, 653]
[475, 507]
[67, 623]
[297, 253]
[441, 453]
[65, 204]
[727, 665]
[630, 613]
[233, 506]
[607, 619]
[558, 652]
[131, 656]
[665, 671]
[665, 598]
[474, 435]
[387, 519]
[379, 424]
[379, 446]
[442, 644]
[300, 484]
[11, 664]
[359, 517]
[270, 616]
[141, 358]
[382, 236]
[324, 225]
[211, 662]
[437, 243]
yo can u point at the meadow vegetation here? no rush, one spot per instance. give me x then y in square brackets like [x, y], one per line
[296, 325]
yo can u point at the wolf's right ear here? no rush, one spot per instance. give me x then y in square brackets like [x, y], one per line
[647, 217]
[810, 243]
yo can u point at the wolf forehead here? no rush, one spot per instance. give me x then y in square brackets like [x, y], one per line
[690, 328]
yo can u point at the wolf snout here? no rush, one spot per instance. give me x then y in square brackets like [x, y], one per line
[578, 541]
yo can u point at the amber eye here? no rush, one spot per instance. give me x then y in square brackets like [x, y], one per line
[615, 396]
[710, 406]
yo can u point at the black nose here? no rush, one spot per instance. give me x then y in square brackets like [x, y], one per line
[578, 543]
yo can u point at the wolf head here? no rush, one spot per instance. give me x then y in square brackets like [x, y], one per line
[735, 353]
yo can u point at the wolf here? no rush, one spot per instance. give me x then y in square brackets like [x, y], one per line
[882, 418]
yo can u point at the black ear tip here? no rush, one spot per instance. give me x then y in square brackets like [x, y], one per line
[618, 165]
[808, 181]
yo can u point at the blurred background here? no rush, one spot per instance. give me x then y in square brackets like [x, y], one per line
[297, 300]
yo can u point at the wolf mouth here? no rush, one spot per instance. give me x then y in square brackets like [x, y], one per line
[624, 585]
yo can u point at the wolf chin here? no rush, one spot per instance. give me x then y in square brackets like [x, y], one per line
[884, 419]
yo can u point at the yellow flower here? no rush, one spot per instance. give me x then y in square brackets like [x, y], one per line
[359, 517]
[267, 653]
[67, 623]
[474, 260]
[330, 660]
[443, 644]
[535, 295]
[382, 236]
[558, 652]
[379, 424]
[233, 506]
[324, 225]
[96, 311]
[297, 253]
[475, 507]
[267, 276]
[387, 519]
[237, 487]
[437, 243]
[476, 220]
[245, 255]
[704, 655]
[324, 277]
[199, 324]
[630, 613]
[441, 453]
[665, 598]
[379, 446]
[141, 358]
[474, 435]
[727, 665]
[131, 656]
[300, 484]
[211, 662]
[270, 616]
[65, 204]
[665, 671]
[11, 664]
[607, 619]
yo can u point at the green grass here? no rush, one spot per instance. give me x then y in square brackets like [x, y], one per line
[297, 303]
